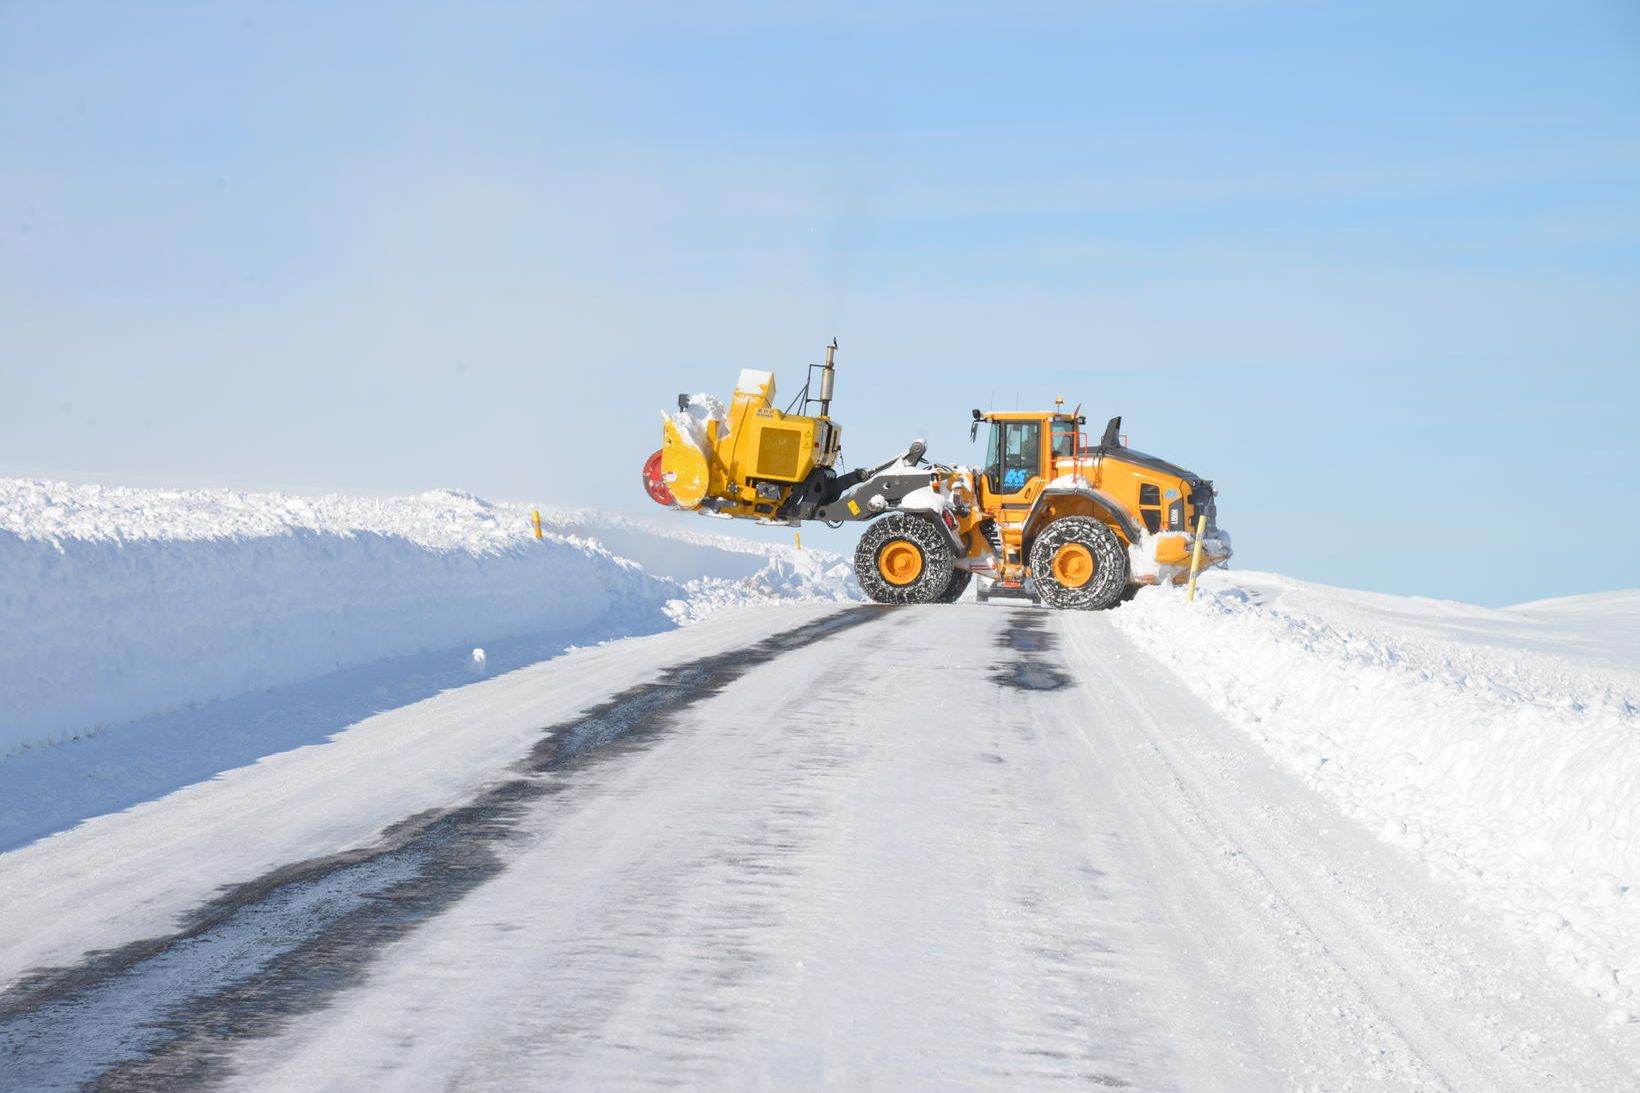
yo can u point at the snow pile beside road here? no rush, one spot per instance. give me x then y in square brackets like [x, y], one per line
[672, 545]
[1501, 746]
[718, 572]
[117, 604]
[788, 575]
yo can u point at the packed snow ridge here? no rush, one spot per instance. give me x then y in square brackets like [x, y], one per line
[117, 603]
[1502, 747]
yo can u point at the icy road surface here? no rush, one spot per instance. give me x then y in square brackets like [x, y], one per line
[871, 848]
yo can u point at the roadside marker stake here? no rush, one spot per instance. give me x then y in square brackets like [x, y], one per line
[537, 522]
[1196, 557]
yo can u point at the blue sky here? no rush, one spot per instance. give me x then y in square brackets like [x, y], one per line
[1375, 269]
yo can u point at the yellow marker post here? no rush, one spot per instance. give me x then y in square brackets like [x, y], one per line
[798, 535]
[1196, 557]
[537, 522]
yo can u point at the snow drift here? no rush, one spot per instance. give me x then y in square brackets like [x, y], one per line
[1500, 746]
[117, 604]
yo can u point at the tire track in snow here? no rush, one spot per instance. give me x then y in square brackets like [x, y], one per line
[1026, 634]
[165, 1013]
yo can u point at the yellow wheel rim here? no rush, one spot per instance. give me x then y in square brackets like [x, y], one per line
[900, 562]
[1073, 565]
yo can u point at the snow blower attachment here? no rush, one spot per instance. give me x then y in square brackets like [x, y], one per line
[753, 460]
[1048, 516]
[749, 461]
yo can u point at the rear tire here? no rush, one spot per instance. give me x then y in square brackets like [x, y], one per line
[903, 559]
[1078, 563]
[959, 584]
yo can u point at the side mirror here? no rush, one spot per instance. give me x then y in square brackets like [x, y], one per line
[973, 432]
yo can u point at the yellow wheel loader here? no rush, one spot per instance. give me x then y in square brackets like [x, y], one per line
[1047, 515]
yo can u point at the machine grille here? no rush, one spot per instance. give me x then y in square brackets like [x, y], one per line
[778, 451]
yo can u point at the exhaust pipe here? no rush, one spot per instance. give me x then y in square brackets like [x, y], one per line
[828, 377]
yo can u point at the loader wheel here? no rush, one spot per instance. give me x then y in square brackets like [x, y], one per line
[903, 559]
[958, 585]
[1079, 563]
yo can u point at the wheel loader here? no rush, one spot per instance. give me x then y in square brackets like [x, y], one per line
[1046, 516]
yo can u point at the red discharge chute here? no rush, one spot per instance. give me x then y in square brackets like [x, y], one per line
[653, 484]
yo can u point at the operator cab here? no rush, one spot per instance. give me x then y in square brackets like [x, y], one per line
[1020, 447]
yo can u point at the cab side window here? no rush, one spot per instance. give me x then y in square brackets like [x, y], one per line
[1150, 498]
[993, 458]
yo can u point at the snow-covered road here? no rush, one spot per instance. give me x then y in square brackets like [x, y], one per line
[872, 848]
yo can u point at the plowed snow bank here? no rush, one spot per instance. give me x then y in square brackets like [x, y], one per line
[1501, 746]
[117, 604]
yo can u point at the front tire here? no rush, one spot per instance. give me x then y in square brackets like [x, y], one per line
[903, 559]
[1078, 563]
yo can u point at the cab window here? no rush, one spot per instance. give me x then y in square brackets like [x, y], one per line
[1014, 455]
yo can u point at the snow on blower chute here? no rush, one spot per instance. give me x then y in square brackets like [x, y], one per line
[1047, 516]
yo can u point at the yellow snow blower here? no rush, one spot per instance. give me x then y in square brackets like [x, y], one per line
[750, 460]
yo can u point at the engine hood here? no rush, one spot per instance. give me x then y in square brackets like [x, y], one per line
[1149, 462]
